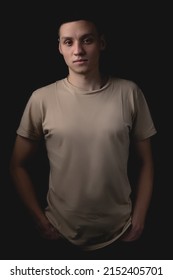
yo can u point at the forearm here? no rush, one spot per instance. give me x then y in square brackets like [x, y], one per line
[144, 193]
[26, 190]
[141, 203]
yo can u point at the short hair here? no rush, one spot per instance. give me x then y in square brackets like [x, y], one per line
[88, 16]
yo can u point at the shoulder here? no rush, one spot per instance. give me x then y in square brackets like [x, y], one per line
[45, 96]
[124, 84]
[47, 89]
[127, 89]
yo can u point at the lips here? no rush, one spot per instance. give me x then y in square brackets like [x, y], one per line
[80, 60]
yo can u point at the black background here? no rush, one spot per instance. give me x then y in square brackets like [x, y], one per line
[139, 48]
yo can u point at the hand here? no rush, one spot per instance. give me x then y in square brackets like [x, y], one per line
[47, 230]
[133, 233]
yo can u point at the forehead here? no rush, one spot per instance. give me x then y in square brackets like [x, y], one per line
[77, 29]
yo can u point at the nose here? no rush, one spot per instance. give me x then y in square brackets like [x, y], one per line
[78, 49]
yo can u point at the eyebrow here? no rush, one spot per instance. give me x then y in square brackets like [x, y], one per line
[83, 36]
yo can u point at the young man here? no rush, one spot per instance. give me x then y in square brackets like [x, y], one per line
[88, 122]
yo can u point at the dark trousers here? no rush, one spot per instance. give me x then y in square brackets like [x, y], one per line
[117, 250]
[38, 249]
[26, 243]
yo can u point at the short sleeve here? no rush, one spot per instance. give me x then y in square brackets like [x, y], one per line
[143, 125]
[31, 122]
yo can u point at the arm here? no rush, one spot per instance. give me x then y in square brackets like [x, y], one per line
[24, 150]
[144, 190]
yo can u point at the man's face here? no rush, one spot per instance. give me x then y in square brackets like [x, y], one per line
[80, 45]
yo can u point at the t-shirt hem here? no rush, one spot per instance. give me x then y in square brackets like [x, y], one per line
[104, 244]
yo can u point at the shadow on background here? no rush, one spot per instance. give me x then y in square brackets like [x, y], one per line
[138, 50]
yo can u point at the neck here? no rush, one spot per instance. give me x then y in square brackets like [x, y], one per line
[86, 82]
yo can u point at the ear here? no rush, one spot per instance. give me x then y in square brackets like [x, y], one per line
[102, 43]
[59, 47]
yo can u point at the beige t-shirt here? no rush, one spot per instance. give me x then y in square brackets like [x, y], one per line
[87, 140]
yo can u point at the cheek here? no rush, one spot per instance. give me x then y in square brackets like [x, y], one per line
[67, 58]
[94, 54]
[65, 54]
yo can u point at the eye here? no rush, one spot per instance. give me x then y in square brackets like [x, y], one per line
[68, 42]
[88, 40]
